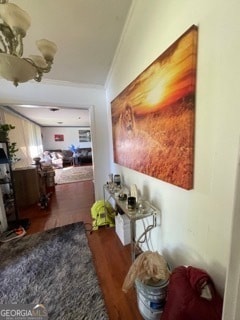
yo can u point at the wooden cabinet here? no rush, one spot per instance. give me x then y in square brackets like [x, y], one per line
[26, 184]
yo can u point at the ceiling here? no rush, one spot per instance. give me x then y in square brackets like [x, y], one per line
[49, 116]
[86, 32]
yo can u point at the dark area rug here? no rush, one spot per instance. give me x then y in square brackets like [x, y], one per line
[53, 268]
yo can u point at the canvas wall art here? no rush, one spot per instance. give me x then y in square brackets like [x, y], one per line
[84, 135]
[58, 137]
[153, 118]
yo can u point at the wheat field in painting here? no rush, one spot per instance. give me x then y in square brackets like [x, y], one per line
[153, 118]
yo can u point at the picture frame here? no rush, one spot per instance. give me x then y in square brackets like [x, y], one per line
[58, 137]
[84, 135]
[153, 118]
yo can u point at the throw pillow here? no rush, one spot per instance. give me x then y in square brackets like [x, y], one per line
[53, 155]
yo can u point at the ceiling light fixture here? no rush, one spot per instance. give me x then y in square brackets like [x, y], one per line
[54, 109]
[14, 23]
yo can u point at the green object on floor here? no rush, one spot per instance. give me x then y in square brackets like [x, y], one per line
[102, 214]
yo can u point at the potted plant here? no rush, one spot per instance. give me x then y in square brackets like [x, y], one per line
[4, 137]
[4, 130]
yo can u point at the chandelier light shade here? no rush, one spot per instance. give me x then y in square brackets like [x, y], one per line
[14, 23]
[47, 48]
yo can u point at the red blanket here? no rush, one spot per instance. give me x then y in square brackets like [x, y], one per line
[184, 301]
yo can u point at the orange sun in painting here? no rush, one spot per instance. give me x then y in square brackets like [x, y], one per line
[167, 81]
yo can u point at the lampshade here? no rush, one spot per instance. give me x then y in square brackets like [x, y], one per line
[38, 60]
[17, 19]
[47, 48]
[15, 69]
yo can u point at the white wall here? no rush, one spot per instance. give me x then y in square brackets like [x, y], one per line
[71, 137]
[195, 225]
[60, 94]
[232, 296]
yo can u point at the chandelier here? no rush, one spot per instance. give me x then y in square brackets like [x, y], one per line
[14, 23]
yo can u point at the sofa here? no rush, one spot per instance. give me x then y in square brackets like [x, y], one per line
[67, 157]
[59, 158]
[82, 156]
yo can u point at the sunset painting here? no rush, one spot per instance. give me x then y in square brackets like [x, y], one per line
[153, 118]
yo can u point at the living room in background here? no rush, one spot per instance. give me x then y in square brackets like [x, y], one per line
[70, 150]
[71, 138]
[154, 116]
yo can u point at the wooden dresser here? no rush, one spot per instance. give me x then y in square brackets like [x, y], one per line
[26, 183]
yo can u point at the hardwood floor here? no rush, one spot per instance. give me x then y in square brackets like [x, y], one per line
[71, 203]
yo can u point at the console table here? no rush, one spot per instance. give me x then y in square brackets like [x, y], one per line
[146, 210]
